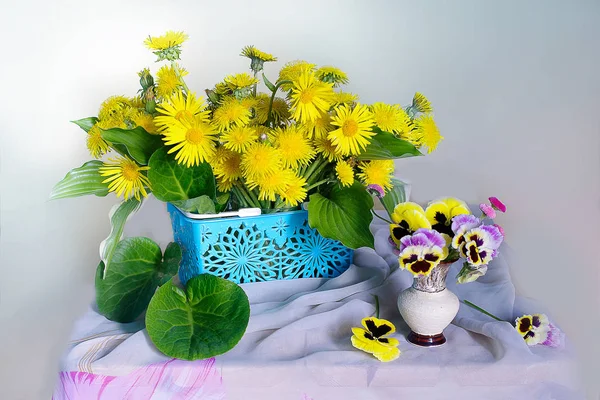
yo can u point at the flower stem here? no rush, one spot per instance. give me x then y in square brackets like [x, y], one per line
[376, 306]
[314, 185]
[381, 218]
[178, 73]
[467, 302]
[277, 86]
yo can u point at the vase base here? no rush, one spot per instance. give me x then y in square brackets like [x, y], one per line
[426, 340]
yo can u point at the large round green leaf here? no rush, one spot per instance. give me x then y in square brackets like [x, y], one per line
[344, 215]
[124, 287]
[171, 181]
[208, 319]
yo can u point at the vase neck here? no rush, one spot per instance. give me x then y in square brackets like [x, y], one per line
[435, 281]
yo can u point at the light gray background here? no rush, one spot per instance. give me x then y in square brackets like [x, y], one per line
[514, 85]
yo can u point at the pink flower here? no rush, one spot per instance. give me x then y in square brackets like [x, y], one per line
[497, 204]
[376, 190]
[500, 229]
[487, 210]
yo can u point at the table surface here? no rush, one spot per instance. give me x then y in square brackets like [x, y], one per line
[297, 346]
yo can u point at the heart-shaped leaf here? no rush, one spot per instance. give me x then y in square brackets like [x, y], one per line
[385, 146]
[207, 319]
[170, 263]
[171, 181]
[344, 215]
[135, 143]
[86, 123]
[81, 181]
[125, 287]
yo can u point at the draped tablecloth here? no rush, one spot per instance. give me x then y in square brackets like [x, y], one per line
[297, 346]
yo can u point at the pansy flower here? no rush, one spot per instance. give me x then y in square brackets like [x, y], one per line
[421, 252]
[373, 339]
[440, 213]
[534, 328]
[479, 245]
[407, 217]
[460, 225]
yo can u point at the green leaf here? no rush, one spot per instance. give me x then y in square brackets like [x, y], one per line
[221, 201]
[385, 146]
[344, 215]
[268, 83]
[206, 320]
[199, 205]
[125, 287]
[170, 263]
[135, 143]
[86, 123]
[394, 196]
[119, 214]
[81, 181]
[171, 181]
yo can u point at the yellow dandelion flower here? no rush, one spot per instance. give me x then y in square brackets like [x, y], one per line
[240, 81]
[320, 127]
[272, 184]
[226, 165]
[239, 138]
[112, 123]
[292, 70]
[125, 177]
[261, 160]
[146, 121]
[166, 41]
[95, 144]
[222, 88]
[428, 132]
[137, 102]
[252, 52]
[344, 173]
[280, 111]
[168, 81]
[390, 118]
[332, 75]
[114, 108]
[179, 109]
[354, 129]
[295, 191]
[231, 112]
[343, 98]
[310, 97]
[421, 103]
[194, 141]
[326, 147]
[377, 172]
[295, 148]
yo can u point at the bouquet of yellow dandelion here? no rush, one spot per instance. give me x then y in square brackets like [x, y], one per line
[303, 140]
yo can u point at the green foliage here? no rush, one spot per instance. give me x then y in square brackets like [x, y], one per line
[125, 287]
[134, 143]
[199, 205]
[344, 214]
[207, 319]
[385, 146]
[86, 123]
[394, 196]
[268, 83]
[81, 181]
[118, 216]
[171, 181]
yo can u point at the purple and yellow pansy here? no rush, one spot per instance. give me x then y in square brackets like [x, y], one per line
[408, 217]
[479, 245]
[374, 339]
[421, 252]
[537, 329]
[440, 213]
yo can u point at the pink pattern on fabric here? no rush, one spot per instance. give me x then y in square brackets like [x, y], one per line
[174, 379]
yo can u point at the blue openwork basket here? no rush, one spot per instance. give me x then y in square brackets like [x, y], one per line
[254, 249]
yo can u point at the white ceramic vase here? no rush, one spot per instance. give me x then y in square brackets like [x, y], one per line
[428, 307]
